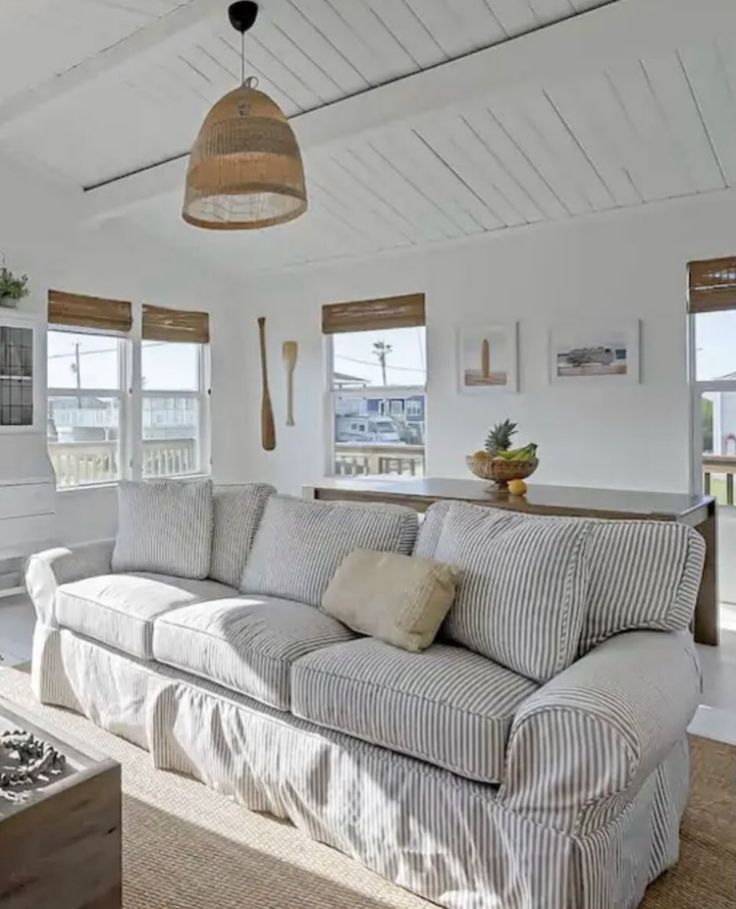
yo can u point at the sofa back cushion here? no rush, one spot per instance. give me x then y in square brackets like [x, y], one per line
[238, 511]
[643, 575]
[522, 590]
[165, 527]
[300, 544]
[430, 529]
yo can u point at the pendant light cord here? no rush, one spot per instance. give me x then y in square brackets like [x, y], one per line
[242, 58]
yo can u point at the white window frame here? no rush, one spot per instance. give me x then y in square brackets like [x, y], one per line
[697, 389]
[372, 392]
[131, 395]
[118, 394]
[203, 395]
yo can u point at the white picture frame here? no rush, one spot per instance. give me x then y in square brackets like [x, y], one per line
[599, 353]
[488, 358]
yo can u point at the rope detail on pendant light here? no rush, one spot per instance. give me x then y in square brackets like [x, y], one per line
[245, 168]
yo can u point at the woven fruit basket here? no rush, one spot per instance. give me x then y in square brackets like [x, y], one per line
[500, 470]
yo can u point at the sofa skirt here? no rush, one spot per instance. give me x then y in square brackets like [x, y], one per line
[441, 836]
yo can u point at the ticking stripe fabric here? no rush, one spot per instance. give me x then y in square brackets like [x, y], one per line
[643, 574]
[592, 735]
[447, 706]
[120, 609]
[446, 838]
[300, 545]
[45, 571]
[164, 526]
[238, 511]
[521, 595]
[246, 644]
[430, 530]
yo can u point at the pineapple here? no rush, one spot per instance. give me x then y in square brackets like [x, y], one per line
[499, 438]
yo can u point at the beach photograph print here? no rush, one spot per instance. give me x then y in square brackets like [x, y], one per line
[593, 352]
[487, 358]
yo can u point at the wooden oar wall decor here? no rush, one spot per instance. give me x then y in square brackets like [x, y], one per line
[268, 427]
[291, 355]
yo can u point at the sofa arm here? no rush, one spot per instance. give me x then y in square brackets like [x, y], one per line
[582, 746]
[47, 570]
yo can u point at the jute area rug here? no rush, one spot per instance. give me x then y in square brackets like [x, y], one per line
[186, 847]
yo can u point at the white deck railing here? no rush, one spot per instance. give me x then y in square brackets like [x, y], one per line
[86, 463]
[379, 460]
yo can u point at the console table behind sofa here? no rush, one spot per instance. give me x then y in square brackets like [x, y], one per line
[697, 511]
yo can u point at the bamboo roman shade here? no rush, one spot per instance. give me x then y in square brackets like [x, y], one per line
[374, 315]
[175, 325]
[712, 285]
[89, 313]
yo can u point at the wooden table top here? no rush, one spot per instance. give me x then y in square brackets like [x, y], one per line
[572, 500]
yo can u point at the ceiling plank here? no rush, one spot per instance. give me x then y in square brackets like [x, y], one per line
[565, 51]
[151, 39]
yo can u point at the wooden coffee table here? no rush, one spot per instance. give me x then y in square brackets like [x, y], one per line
[62, 847]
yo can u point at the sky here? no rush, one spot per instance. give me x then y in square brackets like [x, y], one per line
[406, 364]
[174, 366]
[715, 344]
[170, 367]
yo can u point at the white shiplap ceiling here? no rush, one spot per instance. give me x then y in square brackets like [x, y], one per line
[642, 128]
[41, 38]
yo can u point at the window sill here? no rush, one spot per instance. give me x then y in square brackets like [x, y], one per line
[113, 485]
[91, 487]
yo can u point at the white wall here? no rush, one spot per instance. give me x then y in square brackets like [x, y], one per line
[626, 265]
[629, 263]
[119, 262]
[40, 235]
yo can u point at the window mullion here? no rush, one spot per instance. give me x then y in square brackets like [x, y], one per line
[135, 455]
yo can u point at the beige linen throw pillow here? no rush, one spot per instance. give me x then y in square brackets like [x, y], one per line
[399, 599]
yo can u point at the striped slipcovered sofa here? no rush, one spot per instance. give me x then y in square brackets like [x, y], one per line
[534, 757]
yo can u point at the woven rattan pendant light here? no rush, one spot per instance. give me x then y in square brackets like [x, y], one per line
[245, 169]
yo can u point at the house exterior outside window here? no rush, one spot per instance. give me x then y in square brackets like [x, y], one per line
[376, 389]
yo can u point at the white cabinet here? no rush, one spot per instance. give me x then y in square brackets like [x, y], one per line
[21, 391]
[27, 483]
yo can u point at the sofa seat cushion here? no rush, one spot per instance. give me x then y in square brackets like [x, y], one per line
[246, 644]
[119, 609]
[447, 706]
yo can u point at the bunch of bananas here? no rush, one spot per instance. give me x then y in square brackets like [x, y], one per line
[527, 453]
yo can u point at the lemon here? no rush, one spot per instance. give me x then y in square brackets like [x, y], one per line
[517, 487]
[480, 455]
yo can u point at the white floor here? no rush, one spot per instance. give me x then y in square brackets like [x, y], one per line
[716, 718]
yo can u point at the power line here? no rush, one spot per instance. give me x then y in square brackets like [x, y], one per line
[83, 353]
[377, 365]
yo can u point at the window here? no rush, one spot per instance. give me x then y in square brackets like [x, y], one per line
[85, 403]
[172, 398]
[377, 379]
[120, 407]
[714, 355]
[712, 336]
[712, 308]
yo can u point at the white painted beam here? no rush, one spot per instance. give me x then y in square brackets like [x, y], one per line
[152, 39]
[570, 49]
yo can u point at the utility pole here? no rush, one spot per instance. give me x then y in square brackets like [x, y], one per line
[78, 373]
[382, 350]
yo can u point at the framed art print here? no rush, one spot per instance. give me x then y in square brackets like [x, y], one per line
[600, 353]
[488, 358]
